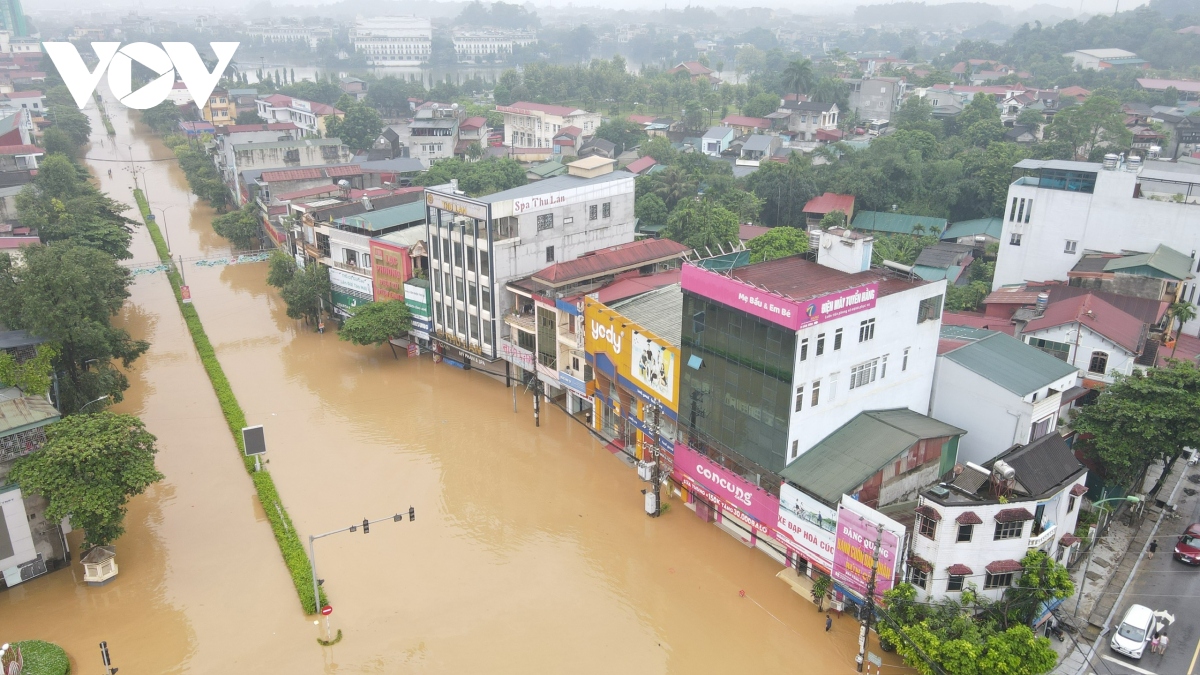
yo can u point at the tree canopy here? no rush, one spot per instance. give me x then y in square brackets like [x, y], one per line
[359, 129]
[475, 178]
[697, 223]
[780, 242]
[64, 207]
[241, 227]
[376, 322]
[304, 291]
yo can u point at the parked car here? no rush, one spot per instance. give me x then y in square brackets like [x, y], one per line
[1187, 549]
[1134, 632]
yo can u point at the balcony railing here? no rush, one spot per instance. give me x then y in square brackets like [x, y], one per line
[1046, 535]
[353, 269]
[525, 322]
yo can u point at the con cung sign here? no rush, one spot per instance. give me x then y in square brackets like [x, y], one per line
[166, 61]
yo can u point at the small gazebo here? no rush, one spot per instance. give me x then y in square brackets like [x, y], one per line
[99, 565]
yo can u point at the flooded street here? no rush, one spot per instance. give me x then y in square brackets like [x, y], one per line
[530, 552]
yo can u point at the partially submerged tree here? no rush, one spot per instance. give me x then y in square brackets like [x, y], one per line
[88, 469]
[241, 227]
[376, 322]
[304, 291]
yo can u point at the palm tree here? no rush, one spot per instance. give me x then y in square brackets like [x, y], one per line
[1182, 312]
[672, 185]
[827, 90]
[799, 74]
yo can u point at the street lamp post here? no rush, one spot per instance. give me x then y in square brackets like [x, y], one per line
[312, 551]
[162, 211]
[85, 405]
[1132, 499]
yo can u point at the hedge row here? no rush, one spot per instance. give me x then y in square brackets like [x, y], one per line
[108, 125]
[289, 542]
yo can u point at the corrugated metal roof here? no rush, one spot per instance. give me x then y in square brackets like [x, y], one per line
[610, 260]
[1098, 315]
[1166, 261]
[385, 218]
[1010, 363]
[828, 203]
[555, 184]
[23, 412]
[897, 223]
[641, 164]
[1042, 465]
[292, 174]
[859, 448]
[659, 311]
[991, 227]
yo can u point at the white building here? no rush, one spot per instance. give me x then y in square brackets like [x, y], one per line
[394, 40]
[974, 530]
[1100, 59]
[1090, 334]
[1059, 210]
[1001, 391]
[280, 34]
[486, 45]
[837, 337]
[534, 125]
[308, 116]
[486, 242]
[433, 133]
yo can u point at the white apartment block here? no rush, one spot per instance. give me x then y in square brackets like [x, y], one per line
[1059, 210]
[534, 125]
[478, 245]
[475, 46]
[282, 34]
[394, 40]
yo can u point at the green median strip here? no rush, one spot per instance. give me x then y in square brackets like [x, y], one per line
[294, 555]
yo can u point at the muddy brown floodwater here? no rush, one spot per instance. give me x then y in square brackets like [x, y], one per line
[530, 552]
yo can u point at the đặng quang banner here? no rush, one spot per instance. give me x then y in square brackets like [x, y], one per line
[858, 527]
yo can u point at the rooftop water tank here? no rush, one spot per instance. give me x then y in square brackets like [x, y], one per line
[1110, 162]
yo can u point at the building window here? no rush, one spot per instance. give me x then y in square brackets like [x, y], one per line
[593, 212]
[545, 222]
[904, 362]
[458, 285]
[998, 580]
[472, 297]
[837, 339]
[955, 583]
[929, 309]
[1071, 504]
[526, 341]
[866, 330]
[820, 344]
[831, 387]
[1015, 240]
[462, 321]
[445, 249]
[606, 209]
[918, 577]
[1059, 350]
[883, 366]
[1098, 363]
[485, 297]
[438, 311]
[964, 533]
[927, 527]
[1008, 530]
[474, 328]
[804, 349]
[549, 254]
[1070, 247]
[799, 398]
[484, 266]
[863, 374]
[458, 254]
[1012, 213]
[795, 448]
[816, 393]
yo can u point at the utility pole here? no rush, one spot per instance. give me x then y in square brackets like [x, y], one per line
[870, 603]
[655, 475]
[537, 402]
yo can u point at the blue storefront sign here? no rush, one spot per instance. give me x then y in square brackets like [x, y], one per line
[573, 383]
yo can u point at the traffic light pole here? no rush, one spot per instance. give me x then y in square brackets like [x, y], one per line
[312, 551]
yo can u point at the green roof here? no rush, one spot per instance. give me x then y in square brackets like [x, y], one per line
[937, 273]
[963, 332]
[728, 261]
[1164, 263]
[1010, 363]
[548, 169]
[897, 223]
[852, 454]
[384, 218]
[991, 227]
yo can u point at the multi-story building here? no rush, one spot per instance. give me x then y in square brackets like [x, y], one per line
[875, 98]
[305, 152]
[394, 40]
[313, 36]
[486, 242]
[308, 116]
[781, 354]
[476, 46]
[219, 109]
[433, 133]
[1056, 211]
[805, 118]
[534, 125]
[972, 530]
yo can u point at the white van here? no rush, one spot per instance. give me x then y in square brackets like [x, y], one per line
[1133, 633]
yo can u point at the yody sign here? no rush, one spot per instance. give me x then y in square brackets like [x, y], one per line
[172, 57]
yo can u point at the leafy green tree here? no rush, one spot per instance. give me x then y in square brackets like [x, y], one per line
[901, 248]
[785, 189]
[798, 75]
[359, 129]
[1042, 580]
[201, 174]
[761, 105]
[248, 117]
[480, 178]
[1093, 127]
[162, 118]
[917, 115]
[241, 227]
[88, 469]
[281, 267]
[57, 141]
[65, 115]
[1182, 312]
[1031, 118]
[672, 185]
[835, 218]
[69, 294]
[832, 90]
[698, 223]
[780, 242]
[1146, 417]
[376, 322]
[305, 291]
[323, 91]
[64, 207]
[33, 376]
[966, 298]
[660, 149]
[650, 210]
[746, 206]
[622, 133]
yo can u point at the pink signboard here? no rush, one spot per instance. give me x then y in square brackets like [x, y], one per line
[738, 498]
[792, 314]
[853, 555]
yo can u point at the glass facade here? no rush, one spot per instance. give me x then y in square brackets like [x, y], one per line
[740, 397]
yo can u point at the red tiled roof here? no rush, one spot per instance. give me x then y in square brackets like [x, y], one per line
[829, 134]
[1017, 515]
[798, 279]
[692, 67]
[1098, 315]
[1069, 539]
[472, 123]
[350, 170]
[277, 210]
[1003, 566]
[570, 131]
[636, 285]
[920, 563]
[18, 241]
[829, 202]
[1011, 296]
[608, 260]
[929, 512]
[561, 111]
[1079, 490]
[748, 232]
[292, 174]
[959, 569]
[24, 94]
[968, 518]
[308, 192]
[743, 121]
[975, 320]
[641, 164]
[21, 150]
[640, 119]
[1188, 349]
